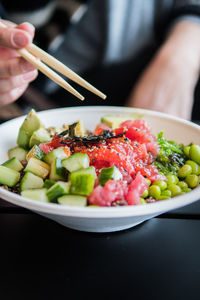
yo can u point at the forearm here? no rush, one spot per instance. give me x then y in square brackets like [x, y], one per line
[183, 46]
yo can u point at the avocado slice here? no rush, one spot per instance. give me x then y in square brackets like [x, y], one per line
[41, 135]
[79, 130]
[114, 121]
[30, 124]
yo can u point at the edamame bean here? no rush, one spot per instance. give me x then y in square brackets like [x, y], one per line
[186, 150]
[175, 189]
[182, 184]
[167, 193]
[194, 153]
[195, 167]
[186, 190]
[162, 184]
[154, 191]
[163, 197]
[142, 201]
[172, 179]
[145, 194]
[184, 171]
[192, 180]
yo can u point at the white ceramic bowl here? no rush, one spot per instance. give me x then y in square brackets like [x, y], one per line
[102, 219]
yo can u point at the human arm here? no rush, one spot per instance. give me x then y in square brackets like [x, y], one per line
[168, 83]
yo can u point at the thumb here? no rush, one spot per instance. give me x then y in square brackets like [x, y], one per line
[14, 38]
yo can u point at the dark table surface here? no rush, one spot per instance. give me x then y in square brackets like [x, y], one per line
[40, 259]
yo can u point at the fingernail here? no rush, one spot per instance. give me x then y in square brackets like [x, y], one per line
[20, 40]
[26, 66]
[31, 27]
[30, 75]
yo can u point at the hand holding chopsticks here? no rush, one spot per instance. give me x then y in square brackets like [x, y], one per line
[32, 53]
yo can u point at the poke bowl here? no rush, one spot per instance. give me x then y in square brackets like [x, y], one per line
[94, 214]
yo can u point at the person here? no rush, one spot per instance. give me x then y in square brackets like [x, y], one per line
[115, 36]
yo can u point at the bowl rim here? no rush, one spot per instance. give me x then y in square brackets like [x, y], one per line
[105, 212]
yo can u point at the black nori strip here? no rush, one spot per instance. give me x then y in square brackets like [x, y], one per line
[70, 130]
[106, 135]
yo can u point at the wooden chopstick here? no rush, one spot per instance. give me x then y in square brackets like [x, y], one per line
[32, 52]
[49, 73]
[46, 70]
[61, 68]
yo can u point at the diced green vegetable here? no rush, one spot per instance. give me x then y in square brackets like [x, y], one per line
[73, 200]
[89, 170]
[82, 181]
[36, 194]
[109, 173]
[35, 152]
[17, 152]
[37, 167]
[56, 153]
[14, 164]
[9, 176]
[76, 161]
[31, 181]
[58, 189]
[57, 171]
[48, 183]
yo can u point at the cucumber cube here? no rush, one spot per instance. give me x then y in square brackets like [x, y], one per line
[89, 170]
[57, 172]
[36, 194]
[48, 183]
[56, 153]
[14, 164]
[58, 189]
[8, 176]
[109, 173]
[18, 152]
[82, 181]
[37, 167]
[35, 152]
[31, 181]
[76, 161]
[73, 200]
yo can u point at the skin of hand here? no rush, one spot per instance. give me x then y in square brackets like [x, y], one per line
[15, 72]
[168, 83]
